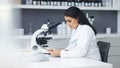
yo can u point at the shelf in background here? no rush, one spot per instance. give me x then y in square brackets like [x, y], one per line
[107, 35]
[28, 37]
[62, 7]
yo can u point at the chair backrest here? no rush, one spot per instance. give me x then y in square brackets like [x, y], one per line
[104, 50]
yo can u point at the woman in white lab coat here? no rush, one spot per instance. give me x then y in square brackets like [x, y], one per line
[83, 39]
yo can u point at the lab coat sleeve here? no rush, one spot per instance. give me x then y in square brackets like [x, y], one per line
[84, 40]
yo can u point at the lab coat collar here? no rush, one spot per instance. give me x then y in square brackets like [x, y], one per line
[74, 31]
[78, 28]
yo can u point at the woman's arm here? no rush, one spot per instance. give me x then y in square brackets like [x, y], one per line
[80, 49]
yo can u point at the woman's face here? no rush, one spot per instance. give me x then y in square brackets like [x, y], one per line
[71, 22]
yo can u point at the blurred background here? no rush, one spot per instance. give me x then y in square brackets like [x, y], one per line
[19, 19]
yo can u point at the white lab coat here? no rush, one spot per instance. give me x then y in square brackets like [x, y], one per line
[82, 44]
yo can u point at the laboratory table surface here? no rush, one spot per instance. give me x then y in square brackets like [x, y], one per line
[68, 63]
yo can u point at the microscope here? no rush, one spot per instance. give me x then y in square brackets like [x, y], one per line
[38, 43]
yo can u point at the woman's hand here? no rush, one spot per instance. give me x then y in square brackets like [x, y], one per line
[54, 52]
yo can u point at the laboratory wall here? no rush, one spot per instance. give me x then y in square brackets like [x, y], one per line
[33, 19]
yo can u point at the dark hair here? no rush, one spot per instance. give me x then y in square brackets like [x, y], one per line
[75, 12]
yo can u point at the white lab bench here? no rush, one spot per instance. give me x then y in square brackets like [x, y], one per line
[61, 41]
[69, 63]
